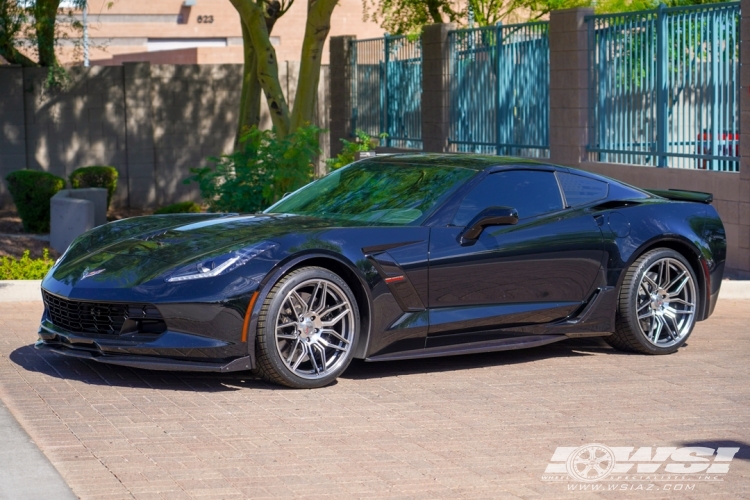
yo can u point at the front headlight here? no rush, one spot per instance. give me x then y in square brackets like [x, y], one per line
[222, 264]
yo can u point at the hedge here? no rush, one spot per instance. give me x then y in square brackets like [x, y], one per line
[25, 268]
[31, 191]
[185, 207]
[95, 177]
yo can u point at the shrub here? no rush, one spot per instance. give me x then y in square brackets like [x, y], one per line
[31, 191]
[185, 207]
[25, 268]
[96, 177]
[259, 175]
[362, 142]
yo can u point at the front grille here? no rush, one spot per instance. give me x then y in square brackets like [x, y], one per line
[99, 317]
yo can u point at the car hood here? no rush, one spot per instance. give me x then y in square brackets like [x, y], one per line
[136, 250]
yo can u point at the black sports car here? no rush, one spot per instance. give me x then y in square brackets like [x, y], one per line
[392, 257]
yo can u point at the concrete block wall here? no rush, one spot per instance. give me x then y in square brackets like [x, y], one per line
[195, 111]
[12, 125]
[81, 125]
[151, 122]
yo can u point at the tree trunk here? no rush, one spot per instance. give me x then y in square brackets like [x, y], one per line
[316, 31]
[251, 89]
[45, 18]
[267, 66]
[432, 8]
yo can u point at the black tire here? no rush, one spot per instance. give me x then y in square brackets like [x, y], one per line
[269, 362]
[629, 335]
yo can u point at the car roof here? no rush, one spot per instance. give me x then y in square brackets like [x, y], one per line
[457, 160]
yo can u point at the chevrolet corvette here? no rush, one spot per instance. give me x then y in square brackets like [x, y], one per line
[391, 257]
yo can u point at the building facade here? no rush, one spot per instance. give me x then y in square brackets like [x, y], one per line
[194, 31]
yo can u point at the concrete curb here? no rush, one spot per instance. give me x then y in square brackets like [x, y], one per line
[20, 290]
[30, 290]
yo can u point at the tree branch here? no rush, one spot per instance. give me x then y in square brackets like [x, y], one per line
[316, 31]
[267, 66]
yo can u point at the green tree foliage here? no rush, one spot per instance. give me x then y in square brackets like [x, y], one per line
[408, 16]
[184, 207]
[14, 17]
[265, 169]
[95, 176]
[25, 268]
[31, 191]
[362, 142]
[613, 6]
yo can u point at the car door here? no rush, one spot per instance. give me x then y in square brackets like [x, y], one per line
[539, 270]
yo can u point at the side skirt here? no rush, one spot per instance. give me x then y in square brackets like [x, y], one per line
[472, 347]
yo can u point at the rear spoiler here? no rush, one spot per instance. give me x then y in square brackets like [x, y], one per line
[680, 195]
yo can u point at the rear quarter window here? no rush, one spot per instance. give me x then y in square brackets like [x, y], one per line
[580, 190]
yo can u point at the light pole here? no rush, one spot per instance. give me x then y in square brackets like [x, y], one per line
[86, 34]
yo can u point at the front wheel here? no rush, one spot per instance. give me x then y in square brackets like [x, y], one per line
[307, 329]
[658, 303]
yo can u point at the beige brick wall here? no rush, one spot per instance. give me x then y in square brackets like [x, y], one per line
[128, 24]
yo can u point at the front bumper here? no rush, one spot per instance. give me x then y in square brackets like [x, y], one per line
[199, 337]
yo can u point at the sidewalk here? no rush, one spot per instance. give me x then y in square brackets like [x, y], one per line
[25, 472]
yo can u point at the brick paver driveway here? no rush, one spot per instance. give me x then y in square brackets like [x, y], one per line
[482, 426]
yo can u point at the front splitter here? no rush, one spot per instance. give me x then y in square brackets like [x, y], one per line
[147, 362]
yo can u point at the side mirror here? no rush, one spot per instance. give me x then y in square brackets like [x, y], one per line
[492, 216]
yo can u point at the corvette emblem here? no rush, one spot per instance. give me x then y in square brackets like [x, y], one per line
[88, 274]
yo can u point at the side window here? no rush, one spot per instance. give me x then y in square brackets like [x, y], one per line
[531, 192]
[581, 190]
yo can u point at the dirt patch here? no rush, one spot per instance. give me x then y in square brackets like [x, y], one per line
[10, 222]
[14, 246]
[14, 241]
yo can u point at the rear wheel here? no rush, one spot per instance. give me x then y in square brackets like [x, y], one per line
[307, 329]
[658, 304]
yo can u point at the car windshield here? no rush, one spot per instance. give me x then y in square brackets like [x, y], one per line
[376, 193]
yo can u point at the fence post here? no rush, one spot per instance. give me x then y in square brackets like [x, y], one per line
[384, 88]
[661, 87]
[341, 90]
[744, 89]
[435, 87]
[569, 82]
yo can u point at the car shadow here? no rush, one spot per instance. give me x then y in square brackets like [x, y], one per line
[742, 454]
[362, 370]
[94, 373]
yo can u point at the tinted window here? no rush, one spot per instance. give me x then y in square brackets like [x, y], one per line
[376, 193]
[528, 191]
[580, 190]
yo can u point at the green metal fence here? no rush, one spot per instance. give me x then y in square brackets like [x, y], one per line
[664, 87]
[499, 90]
[387, 90]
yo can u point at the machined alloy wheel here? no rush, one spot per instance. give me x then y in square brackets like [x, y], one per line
[659, 303]
[314, 328]
[666, 302]
[307, 329]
